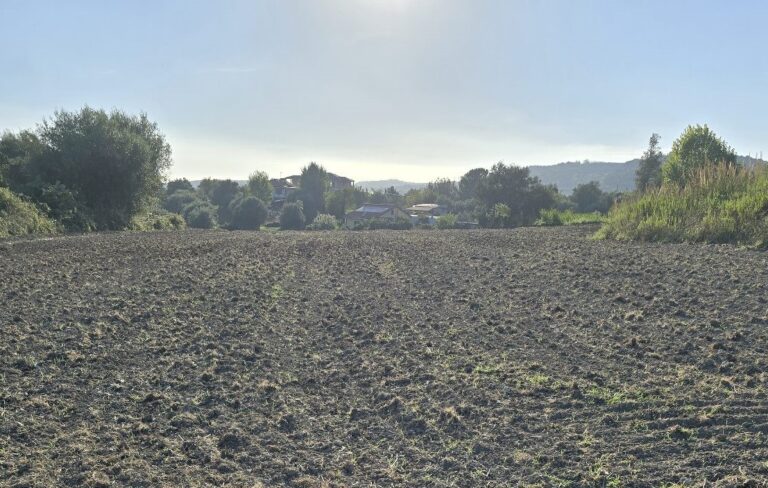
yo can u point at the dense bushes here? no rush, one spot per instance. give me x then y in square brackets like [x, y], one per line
[200, 215]
[93, 170]
[722, 203]
[19, 217]
[554, 217]
[292, 217]
[157, 220]
[248, 213]
[323, 222]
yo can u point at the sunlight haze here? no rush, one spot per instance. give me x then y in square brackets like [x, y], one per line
[408, 89]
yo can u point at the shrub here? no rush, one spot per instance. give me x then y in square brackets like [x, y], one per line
[553, 217]
[200, 215]
[248, 213]
[323, 222]
[447, 221]
[697, 148]
[292, 217]
[19, 217]
[176, 201]
[722, 203]
[157, 220]
[63, 206]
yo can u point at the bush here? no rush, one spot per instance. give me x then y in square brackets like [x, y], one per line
[697, 148]
[447, 221]
[19, 217]
[176, 201]
[553, 217]
[63, 206]
[157, 220]
[323, 222]
[292, 217]
[720, 204]
[248, 213]
[200, 215]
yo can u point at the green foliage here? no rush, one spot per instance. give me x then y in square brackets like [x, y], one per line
[312, 188]
[323, 222]
[292, 217]
[220, 193]
[648, 172]
[337, 203]
[19, 217]
[260, 187]
[469, 183]
[157, 220]
[512, 197]
[200, 214]
[722, 203]
[175, 202]
[588, 198]
[447, 221]
[697, 148]
[182, 184]
[554, 217]
[64, 206]
[113, 162]
[248, 213]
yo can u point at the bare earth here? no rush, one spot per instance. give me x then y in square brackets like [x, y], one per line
[420, 358]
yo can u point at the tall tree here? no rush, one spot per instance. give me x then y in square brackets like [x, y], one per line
[113, 163]
[260, 187]
[313, 185]
[469, 182]
[648, 172]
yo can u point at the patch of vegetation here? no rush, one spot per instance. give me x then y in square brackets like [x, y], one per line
[323, 222]
[554, 217]
[157, 220]
[19, 217]
[721, 204]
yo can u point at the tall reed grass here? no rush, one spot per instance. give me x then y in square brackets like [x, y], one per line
[720, 204]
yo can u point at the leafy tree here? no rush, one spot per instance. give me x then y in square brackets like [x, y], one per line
[648, 172]
[292, 217]
[176, 201]
[181, 184]
[312, 188]
[200, 214]
[17, 151]
[523, 196]
[260, 187]
[588, 197]
[447, 221]
[248, 213]
[337, 203]
[695, 149]
[220, 193]
[114, 162]
[470, 181]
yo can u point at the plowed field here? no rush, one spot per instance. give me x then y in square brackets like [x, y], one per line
[418, 358]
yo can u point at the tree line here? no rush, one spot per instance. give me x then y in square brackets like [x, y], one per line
[92, 170]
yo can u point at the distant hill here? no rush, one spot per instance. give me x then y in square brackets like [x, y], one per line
[566, 176]
[401, 186]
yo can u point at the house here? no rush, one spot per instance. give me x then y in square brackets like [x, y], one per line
[423, 209]
[375, 211]
[338, 183]
[282, 188]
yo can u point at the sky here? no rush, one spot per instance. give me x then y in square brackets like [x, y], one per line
[408, 89]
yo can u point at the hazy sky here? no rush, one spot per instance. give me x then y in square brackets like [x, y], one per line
[409, 89]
